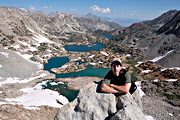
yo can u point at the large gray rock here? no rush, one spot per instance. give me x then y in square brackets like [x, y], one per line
[92, 105]
[127, 109]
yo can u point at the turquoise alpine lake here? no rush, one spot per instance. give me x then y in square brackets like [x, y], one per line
[57, 62]
[89, 71]
[84, 48]
[62, 90]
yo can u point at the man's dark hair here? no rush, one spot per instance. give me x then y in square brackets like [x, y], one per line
[116, 62]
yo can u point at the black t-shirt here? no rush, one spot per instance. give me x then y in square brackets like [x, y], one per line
[123, 78]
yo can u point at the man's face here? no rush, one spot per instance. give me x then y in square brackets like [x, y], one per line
[116, 69]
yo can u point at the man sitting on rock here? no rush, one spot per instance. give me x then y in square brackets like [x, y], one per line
[117, 80]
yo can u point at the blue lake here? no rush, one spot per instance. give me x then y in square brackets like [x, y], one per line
[108, 36]
[84, 48]
[62, 90]
[89, 71]
[55, 62]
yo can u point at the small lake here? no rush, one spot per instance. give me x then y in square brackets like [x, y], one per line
[108, 36]
[62, 89]
[84, 48]
[55, 62]
[89, 71]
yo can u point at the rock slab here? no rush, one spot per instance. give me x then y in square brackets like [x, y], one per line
[93, 105]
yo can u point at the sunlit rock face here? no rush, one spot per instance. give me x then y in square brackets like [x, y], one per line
[91, 104]
[172, 26]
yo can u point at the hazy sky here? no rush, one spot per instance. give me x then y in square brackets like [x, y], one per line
[136, 9]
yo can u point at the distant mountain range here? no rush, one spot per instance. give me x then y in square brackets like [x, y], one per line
[153, 37]
[125, 22]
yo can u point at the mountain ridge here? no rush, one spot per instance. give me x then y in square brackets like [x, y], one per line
[152, 39]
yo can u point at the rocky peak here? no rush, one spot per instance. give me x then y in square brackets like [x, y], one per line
[93, 23]
[100, 106]
[13, 13]
[135, 34]
[56, 22]
[90, 15]
[161, 20]
[94, 17]
[147, 36]
[63, 17]
[40, 18]
[172, 26]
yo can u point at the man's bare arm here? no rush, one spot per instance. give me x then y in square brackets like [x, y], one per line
[122, 88]
[106, 88]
